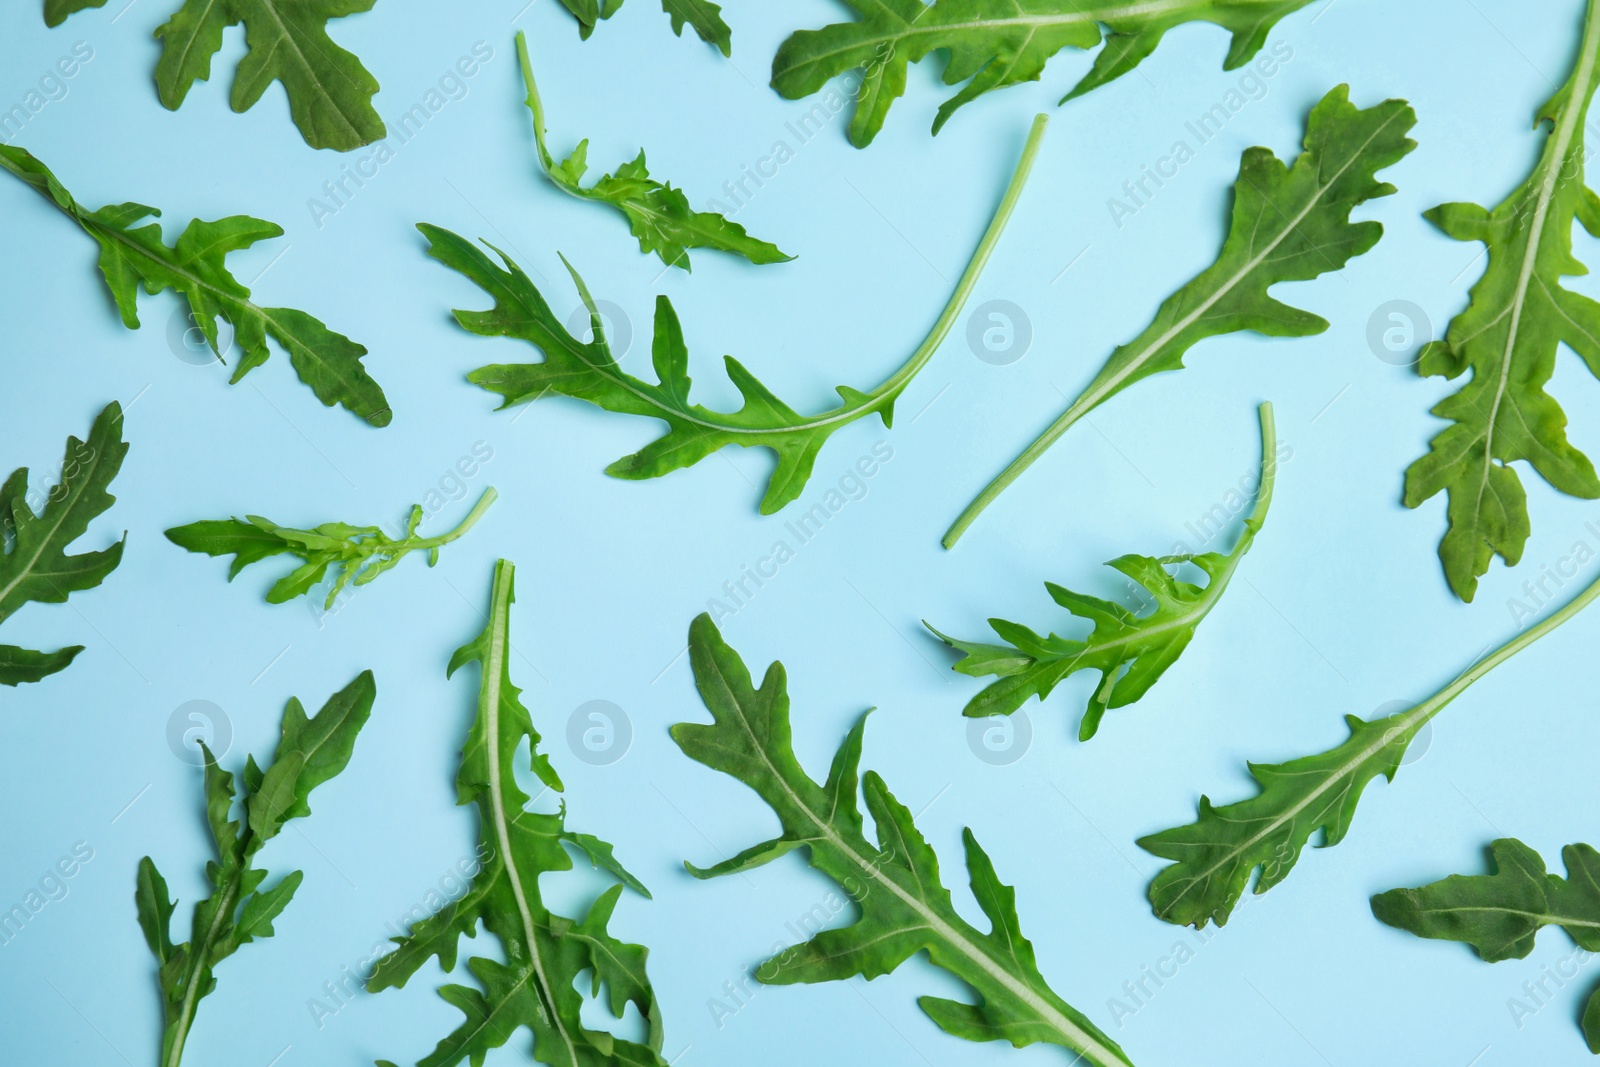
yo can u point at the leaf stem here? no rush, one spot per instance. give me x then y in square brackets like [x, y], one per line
[490, 495]
[536, 106]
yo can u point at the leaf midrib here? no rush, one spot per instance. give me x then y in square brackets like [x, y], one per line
[49, 539]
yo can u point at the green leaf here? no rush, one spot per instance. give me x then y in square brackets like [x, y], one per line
[547, 952]
[1500, 914]
[56, 11]
[904, 908]
[34, 564]
[995, 43]
[704, 16]
[1290, 224]
[238, 911]
[1131, 651]
[588, 371]
[660, 216]
[355, 554]
[1508, 336]
[328, 362]
[1215, 856]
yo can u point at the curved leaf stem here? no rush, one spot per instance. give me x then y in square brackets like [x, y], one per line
[490, 495]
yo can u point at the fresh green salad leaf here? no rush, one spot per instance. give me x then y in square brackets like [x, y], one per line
[1214, 857]
[703, 15]
[545, 952]
[328, 362]
[1130, 651]
[330, 92]
[995, 43]
[1500, 914]
[239, 910]
[904, 908]
[356, 554]
[1290, 223]
[34, 565]
[1507, 337]
[588, 370]
[659, 215]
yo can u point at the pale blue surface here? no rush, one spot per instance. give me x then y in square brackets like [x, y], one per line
[1340, 608]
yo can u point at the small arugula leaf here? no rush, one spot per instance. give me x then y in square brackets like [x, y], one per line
[1130, 651]
[659, 215]
[995, 43]
[239, 909]
[1507, 337]
[355, 554]
[546, 952]
[1214, 857]
[34, 565]
[588, 371]
[328, 362]
[904, 907]
[56, 11]
[703, 15]
[1290, 223]
[1500, 914]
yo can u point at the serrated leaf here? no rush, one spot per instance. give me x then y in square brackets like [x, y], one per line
[195, 268]
[704, 16]
[895, 884]
[1215, 856]
[995, 43]
[1131, 651]
[546, 952]
[34, 564]
[587, 370]
[355, 554]
[1290, 223]
[1508, 336]
[659, 215]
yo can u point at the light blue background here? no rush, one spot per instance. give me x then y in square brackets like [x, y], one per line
[1340, 608]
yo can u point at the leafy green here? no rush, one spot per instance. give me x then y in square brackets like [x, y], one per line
[1130, 651]
[588, 371]
[328, 362]
[1508, 336]
[34, 565]
[1215, 856]
[1289, 224]
[659, 215]
[356, 554]
[995, 43]
[330, 92]
[703, 15]
[239, 910]
[546, 952]
[904, 908]
[1500, 914]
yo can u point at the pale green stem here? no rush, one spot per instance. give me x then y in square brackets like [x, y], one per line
[490, 495]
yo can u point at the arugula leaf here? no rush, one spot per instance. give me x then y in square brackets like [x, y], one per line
[1215, 856]
[328, 362]
[330, 92]
[1519, 315]
[1290, 223]
[34, 565]
[588, 371]
[703, 15]
[547, 952]
[1500, 914]
[996, 43]
[659, 215]
[1130, 651]
[356, 554]
[239, 909]
[904, 908]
